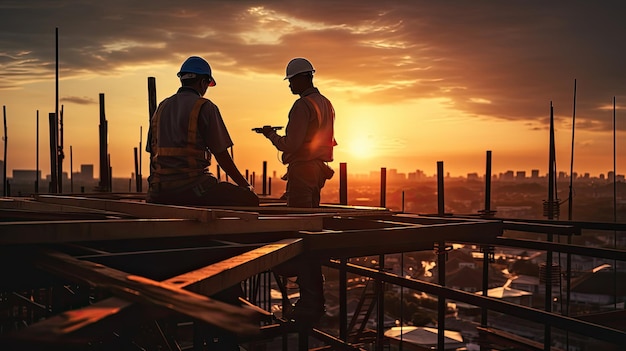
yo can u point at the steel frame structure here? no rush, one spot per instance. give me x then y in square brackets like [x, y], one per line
[85, 272]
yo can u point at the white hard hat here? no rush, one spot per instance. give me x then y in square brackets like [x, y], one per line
[298, 65]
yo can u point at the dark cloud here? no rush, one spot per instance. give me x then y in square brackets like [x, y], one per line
[505, 60]
[79, 100]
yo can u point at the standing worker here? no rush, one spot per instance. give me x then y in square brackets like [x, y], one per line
[307, 145]
[309, 137]
[184, 131]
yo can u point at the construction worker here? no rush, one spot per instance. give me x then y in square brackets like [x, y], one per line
[185, 131]
[309, 137]
[307, 146]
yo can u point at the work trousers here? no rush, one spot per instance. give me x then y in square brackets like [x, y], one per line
[208, 192]
[305, 180]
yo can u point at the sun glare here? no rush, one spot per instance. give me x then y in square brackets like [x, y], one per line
[361, 147]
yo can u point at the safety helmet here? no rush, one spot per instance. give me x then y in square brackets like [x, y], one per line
[195, 65]
[298, 65]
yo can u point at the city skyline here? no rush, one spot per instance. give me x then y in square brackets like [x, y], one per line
[86, 172]
[416, 82]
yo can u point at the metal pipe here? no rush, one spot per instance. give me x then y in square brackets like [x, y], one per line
[343, 183]
[264, 178]
[104, 165]
[551, 198]
[487, 211]
[383, 187]
[71, 172]
[37, 156]
[136, 170]
[60, 154]
[440, 197]
[53, 153]
[57, 170]
[6, 142]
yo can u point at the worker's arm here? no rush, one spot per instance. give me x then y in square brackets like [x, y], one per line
[295, 132]
[227, 164]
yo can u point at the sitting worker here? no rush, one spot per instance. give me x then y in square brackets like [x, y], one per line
[307, 146]
[184, 131]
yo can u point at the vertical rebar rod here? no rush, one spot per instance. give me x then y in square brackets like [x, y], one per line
[383, 187]
[53, 153]
[264, 177]
[488, 184]
[139, 175]
[37, 156]
[136, 170]
[440, 196]
[551, 198]
[614, 208]
[58, 164]
[6, 143]
[441, 261]
[104, 168]
[60, 154]
[343, 183]
[71, 171]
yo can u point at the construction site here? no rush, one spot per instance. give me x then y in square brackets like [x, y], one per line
[108, 271]
[104, 270]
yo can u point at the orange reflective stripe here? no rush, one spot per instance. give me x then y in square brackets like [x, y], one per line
[192, 130]
[179, 151]
[189, 151]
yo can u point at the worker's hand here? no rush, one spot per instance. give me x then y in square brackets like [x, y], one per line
[268, 130]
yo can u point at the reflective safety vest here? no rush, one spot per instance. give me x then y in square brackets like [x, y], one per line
[194, 156]
[319, 140]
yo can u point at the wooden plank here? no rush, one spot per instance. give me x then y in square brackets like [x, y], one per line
[147, 210]
[210, 279]
[353, 243]
[147, 291]
[113, 311]
[43, 232]
[31, 205]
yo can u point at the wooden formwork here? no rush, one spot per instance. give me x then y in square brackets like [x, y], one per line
[78, 270]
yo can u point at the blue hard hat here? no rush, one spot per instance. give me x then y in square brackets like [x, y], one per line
[195, 65]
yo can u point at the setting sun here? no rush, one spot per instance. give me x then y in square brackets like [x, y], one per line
[360, 147]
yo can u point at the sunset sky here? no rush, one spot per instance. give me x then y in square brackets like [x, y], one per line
[412, 82]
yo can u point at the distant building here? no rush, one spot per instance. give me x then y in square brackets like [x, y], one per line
[472, 176]
[520, 175]
[417, 175]
[25, 175]
[611, 176]
[393, 175]
[86, 171]
[508, 176]
[534, 174]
